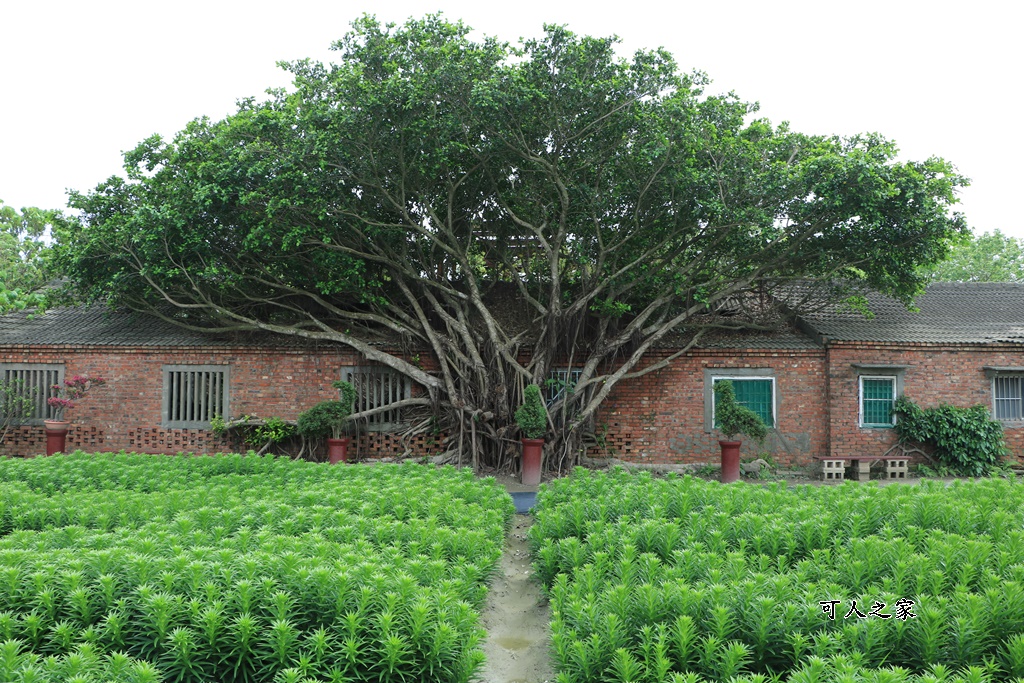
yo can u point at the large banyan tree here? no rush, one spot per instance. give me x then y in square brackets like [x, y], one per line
[508, 210]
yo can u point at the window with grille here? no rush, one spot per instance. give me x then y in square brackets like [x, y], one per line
[32, 380]
[560, 383]
[193, 395]
[1007, 398]
[378, 386]
[756, 393]
[877, 396]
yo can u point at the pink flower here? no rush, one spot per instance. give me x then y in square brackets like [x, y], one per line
[74, 389]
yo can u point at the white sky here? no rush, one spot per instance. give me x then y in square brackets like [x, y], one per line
[84, 81]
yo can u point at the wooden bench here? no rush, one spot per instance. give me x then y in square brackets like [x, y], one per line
[834, 469]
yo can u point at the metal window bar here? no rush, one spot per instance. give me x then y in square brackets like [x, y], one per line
[878, 399]
[378, 386]
[36, 381]
[756, 394]
[1009, 401]
[561, 381]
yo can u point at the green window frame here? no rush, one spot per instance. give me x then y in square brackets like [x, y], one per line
[877, 396]
[756, 393]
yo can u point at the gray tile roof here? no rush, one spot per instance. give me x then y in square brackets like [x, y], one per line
[97, 325]
[784, 338]
[949, 312]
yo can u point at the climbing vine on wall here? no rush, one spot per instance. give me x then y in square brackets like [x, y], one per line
[966, 440]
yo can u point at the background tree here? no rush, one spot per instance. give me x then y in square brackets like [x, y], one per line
[986, 257]
[24, 257]
[481, 200]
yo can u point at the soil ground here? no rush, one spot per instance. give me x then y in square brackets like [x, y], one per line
[516, 617]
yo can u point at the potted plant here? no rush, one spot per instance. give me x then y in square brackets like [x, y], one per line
[65, 397]
[328, 418]
[732, 419]
[532, 418]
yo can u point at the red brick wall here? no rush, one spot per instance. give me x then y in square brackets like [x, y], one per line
[659, 418]
[125, 414]
[935, 375]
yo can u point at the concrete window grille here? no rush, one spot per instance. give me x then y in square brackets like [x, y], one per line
[378, 386]
[33, 380]
[193, 395]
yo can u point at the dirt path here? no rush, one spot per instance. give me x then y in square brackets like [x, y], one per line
[516, 617]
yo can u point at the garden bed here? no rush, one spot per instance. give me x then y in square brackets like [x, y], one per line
[243, 568]
[678, 579]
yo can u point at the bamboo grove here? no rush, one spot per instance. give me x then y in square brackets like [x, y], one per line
[681, 580]
[242, 568]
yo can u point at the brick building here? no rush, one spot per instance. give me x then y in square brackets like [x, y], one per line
[825, 384]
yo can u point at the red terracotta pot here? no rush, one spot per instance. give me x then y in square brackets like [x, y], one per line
[56, 436]
[337, 450]
[532, 449]
[730, 461]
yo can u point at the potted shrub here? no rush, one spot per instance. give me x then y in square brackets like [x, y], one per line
[65, 397]
[532, 418]
[733, 419]
[329, 418]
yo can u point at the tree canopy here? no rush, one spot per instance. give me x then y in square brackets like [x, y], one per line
[24, 257]
[513, 209]
[988, 257]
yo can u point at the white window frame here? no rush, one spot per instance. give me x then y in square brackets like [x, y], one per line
[41, 376]
[568, 376]
[860, 400]
[711, 375]
[199, 383]
[733, 378]
[386, 386]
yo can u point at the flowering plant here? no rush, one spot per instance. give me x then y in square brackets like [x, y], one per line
[74, 390]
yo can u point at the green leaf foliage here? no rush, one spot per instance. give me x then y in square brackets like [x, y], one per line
[428, 179]
[733, 418]
[25, 258]
[273, 430]
[681, 579]
[328, 417]
[989, 257]
[966, 440]
[532, 417]
[132, 568]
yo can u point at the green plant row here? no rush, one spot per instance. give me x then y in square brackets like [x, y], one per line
[263, 570]
[852, 669]
[84, 665]
[654, 578]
